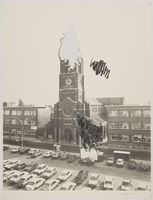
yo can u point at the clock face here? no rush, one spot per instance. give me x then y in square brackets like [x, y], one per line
[67, 109]
[68, 81]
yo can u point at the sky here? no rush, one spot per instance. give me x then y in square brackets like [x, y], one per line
[119, 34]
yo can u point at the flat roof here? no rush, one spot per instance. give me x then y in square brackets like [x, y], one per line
[122, 152]
[128, 105]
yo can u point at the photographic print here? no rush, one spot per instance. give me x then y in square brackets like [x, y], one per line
[76, 97]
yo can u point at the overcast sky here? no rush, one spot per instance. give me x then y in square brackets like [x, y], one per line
[120, 34]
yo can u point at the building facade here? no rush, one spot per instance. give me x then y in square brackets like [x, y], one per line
[129, 124]
[71, 100]
[16, 118]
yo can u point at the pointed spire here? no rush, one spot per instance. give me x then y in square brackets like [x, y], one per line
[69, 49]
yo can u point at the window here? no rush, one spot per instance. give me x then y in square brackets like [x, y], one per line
[123, 138]
[13, 112]
[146, 126]
[117, 125]
[6, 121]
[67, 121]
[92, 109]
[27, 121]
[27, 112]
[146, 113]
[33, 112]
[136, 126]
[136, 113]
[113, 113]
[19, 112]
[7, 112]
[13, 121]
[123, 113]
[33, 122]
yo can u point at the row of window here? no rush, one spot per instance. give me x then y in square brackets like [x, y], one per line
[125, 138]
[133, 113]
[20, 112]
[26, 121]
[134, 126]
[96, 109]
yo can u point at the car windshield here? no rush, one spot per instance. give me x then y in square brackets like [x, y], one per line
[140, 188]
[125, 183]
[22, 179]
[15, 176]
[63, 173]
[110, 159]
[93, 178]
[108, 182]
[31, 183]
[46, 184]
[41, 167]
[48, 171]
[63, 188]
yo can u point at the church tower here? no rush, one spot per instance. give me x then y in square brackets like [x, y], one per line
[71, 91]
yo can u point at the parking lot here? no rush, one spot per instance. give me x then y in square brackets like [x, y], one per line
[101, 168]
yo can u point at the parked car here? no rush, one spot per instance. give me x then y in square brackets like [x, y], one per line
[24, 150]
[8, 174]
[71, 158]
[31, 166]
[15, 178]
[51, 184]
[86, 188]
[15, 149]
[119, 162]
[5, 147]
[49, 173]
[63, 156]
[48, 154]
[132, 164]
[36, 154]
[40, 169]
[110, 161]
[81, 176]
[68, 186]
[126, 185]
[144, 166]
[20, 166]
[31, 151]
[141, 187]
[94, 180]
[34, 184]
[64, 175]
[24, 180]
[6, 162]
[56, 155]
[11, 164]
[108, 183]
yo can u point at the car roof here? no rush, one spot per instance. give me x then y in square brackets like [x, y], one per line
[108, 178]
[68, 184]
[119, 159]
[65, 171]
[41, 165]
[94, 175]
[126, 180]
[51, 168]
[52, 180]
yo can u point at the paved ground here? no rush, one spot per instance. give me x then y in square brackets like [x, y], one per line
[100, 168]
